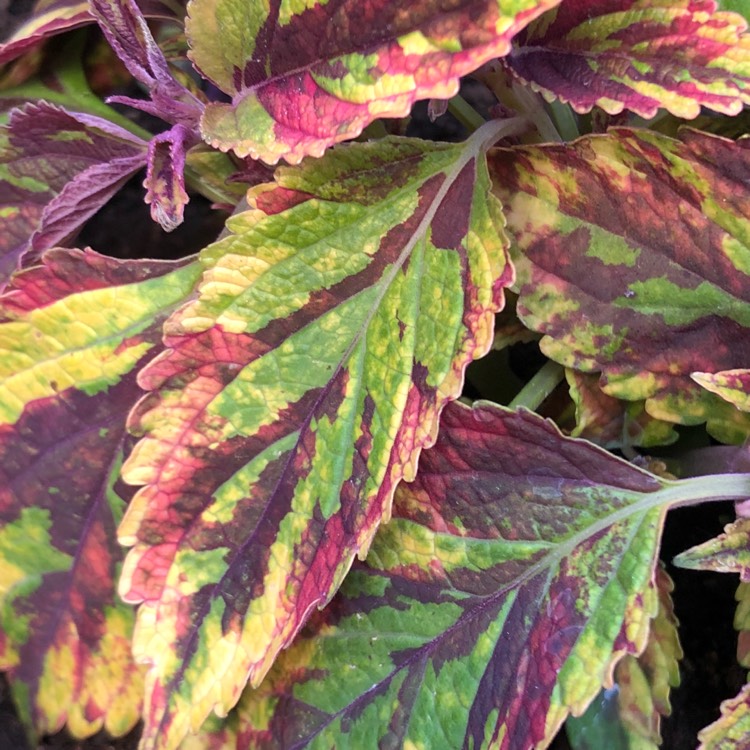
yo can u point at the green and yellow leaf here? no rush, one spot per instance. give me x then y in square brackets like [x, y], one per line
[73, 333]
[610, 422]
[732, 730]
[628, 715]
[333, 324]
[303, 76]
[640, 55]
[732, 385]
[516, 572]
[632, 252]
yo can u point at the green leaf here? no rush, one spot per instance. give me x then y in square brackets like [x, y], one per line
[732, 385]
[303, 76]
[727, 553]
[516, 572]
[333, 324]
[638, 55]
[610, 422]
[732, 730]
[73, 334]
[632, 253]
[628, 715]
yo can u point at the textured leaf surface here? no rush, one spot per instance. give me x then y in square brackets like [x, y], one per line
[127, 32]
[733, 386]
[727, 553]
[47, 19]
[56, 170]
[165, 181]
[638, 54]
[732, 730]
[516, 570]
[632, 252]
[332, 325]
[73, 334]
[628, 715]
[303, 76]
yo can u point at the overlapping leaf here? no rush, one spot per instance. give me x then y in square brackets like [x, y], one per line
[332, 325]
[628, 715]
[610, 422]
[308, 75]
[733, 386]
[517, 569]
[727, 553]
[48, 18]
[639, 55]
[633, 258]
[126, 30]
[73, 334]
[56, 170]
[732, 730]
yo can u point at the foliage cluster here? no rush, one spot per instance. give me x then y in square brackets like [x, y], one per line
[241, 498]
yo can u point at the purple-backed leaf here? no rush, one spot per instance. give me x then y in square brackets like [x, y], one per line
[335, 320]
[631, 254]
[49, 17]
[731, 385]
[126, 30]
[727, 553]
[56, 170]
[515, 573]
[732, 730]
[73, 334]
[165, 181]
[638, 55]
[628, 715]
[303, 76]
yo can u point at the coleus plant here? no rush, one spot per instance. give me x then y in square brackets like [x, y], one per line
[238, 496]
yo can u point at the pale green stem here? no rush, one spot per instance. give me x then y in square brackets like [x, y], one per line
[531, 105]
[465, 113]
[565, 120]
[539, 387]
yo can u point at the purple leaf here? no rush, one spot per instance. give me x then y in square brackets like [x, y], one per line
[128, 34]
[59, 168]
[165, 183]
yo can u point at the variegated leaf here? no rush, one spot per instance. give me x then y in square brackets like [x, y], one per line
[334, 322]
[515, 573]
[49, 17]
[628, 715]
[305, 76]
[57, 169]
[633, 258]
[732, 730]
[732, 385]
[638, 55]
[73, 334]
[727, 553]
